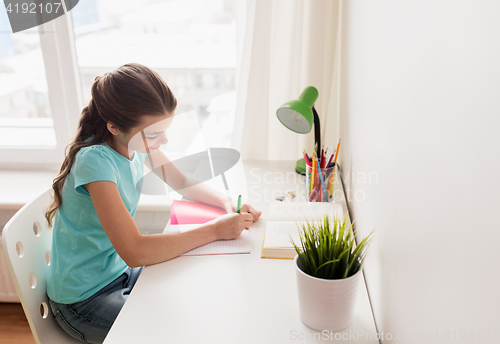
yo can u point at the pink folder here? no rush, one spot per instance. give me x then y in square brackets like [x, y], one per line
[192, 213]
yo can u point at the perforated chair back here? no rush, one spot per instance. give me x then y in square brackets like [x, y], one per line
[26, 244]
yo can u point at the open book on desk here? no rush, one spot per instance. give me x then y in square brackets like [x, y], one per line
[282, 223]
[186, 216]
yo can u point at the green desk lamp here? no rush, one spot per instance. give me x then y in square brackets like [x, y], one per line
[298, 116]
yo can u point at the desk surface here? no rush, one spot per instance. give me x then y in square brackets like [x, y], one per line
[232, 298]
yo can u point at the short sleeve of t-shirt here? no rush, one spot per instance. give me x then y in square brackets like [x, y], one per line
[94, 164]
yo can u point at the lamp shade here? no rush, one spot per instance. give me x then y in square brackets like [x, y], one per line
[297, 115]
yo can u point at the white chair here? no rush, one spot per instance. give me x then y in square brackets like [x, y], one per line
[26, 244]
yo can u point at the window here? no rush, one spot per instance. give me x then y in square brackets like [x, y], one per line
[190, 43]
[46, 73]
[25, 113]
[40, 94]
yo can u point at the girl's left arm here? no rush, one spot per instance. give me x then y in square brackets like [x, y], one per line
[161, 165]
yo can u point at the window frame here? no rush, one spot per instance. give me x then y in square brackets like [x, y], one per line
[65, 97]
[65, 92]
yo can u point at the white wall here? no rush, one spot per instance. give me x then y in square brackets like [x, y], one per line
[420, 107]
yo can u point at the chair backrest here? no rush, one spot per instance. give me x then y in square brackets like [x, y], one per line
[26, 244]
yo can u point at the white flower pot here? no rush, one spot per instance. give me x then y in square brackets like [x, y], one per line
[326, 304]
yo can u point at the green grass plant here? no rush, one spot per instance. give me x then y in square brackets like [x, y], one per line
[328, 248]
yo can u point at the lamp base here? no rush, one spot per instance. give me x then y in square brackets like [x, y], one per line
[300, 167]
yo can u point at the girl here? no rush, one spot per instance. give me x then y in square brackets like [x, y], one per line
[97, 250]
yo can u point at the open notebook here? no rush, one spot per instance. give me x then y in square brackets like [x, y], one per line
[186, 216]
[282, 223]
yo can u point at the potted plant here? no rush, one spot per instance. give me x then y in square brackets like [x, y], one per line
[328, 266]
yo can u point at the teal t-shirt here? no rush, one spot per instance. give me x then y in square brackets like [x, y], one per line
[83, 260]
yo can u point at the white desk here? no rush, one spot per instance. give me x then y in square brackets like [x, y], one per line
[231, 298]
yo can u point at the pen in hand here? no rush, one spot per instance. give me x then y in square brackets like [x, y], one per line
[239, 206]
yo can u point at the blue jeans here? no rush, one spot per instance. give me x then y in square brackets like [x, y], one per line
[91, 319]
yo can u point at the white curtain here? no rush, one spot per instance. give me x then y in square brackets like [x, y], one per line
[287, 46]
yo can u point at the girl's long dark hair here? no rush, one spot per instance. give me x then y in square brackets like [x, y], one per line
[121, 97]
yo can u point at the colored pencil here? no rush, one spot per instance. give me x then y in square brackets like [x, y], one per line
[314, 195]
[306, 158]
[330, 160]
[334, 166]
[322, 158]
[336, 155]
[313, 174]
[323, 185]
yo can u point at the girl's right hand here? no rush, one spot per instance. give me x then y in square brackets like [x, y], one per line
[231, 225]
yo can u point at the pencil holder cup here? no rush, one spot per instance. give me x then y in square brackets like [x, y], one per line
[319, 187]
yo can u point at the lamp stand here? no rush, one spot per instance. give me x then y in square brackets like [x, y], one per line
[300, 166]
